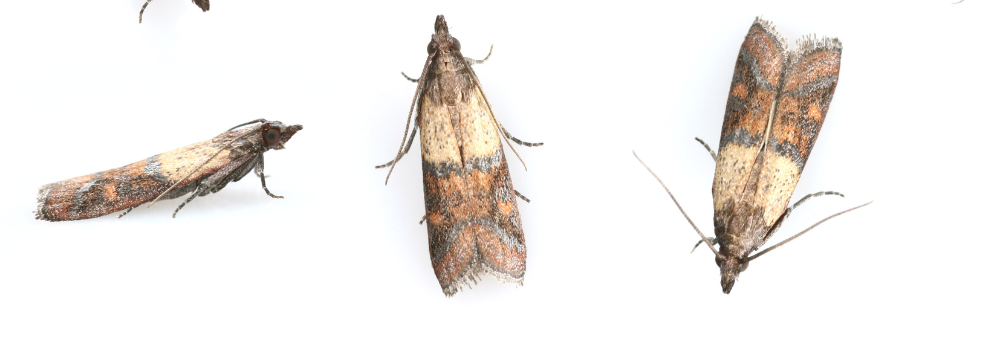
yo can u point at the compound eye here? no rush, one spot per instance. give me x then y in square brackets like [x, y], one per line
[271, 137]
[430, 47]
[455, 45]
[744, 266]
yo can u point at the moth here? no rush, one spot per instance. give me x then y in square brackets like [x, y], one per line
[202, 4]
[473, 225]
[201, 168]
[777, 104]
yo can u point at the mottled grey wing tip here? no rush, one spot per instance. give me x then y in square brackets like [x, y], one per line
[466, 279]
[43, 193]
[474, 274]
[810, 44]
[767, 25]
[769, 28]
[805, 46]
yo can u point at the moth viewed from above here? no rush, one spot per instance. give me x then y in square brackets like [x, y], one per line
[202, 168]
[202, 4]
[473, 224]
[777, 103]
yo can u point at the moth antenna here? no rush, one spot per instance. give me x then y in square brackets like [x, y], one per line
[703, 238]
[261, 120]
[803, 232]
[475, 80]
[408, 77]
[416, 94]
[143, 9]
[199, 167]
[472, 61]
[709, 148]
[770, 123]
[755, 170]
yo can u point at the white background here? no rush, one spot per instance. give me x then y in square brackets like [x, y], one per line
[341, 262]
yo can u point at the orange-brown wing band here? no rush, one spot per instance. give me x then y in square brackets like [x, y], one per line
[472, 222]
[811, 78]
[754, 86]
[101, 193]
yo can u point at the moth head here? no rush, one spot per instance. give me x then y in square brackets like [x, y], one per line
[275, 134]
[730, 268]
[442, 41]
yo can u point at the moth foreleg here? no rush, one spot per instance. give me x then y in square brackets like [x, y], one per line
[472, 61]
[408, 77]
[259, 170]
[400, 156]
[711, 240]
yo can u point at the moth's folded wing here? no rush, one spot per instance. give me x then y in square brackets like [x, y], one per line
[809, 83]
[754, 89]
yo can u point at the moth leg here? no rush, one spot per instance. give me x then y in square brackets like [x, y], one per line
[472, 61]
[517, 141]
[709, 148]
[400, 156]
[408, 77]
[259, 170]
[197, 191]
[804, 199]
[712, 240]
[422, 220]
[127, 210]
[140, 14]
[409, 115]
[522, 196]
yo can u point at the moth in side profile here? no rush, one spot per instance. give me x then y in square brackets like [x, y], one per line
[202, 168]
[473, 224]
[202, 4]
[777, 103]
